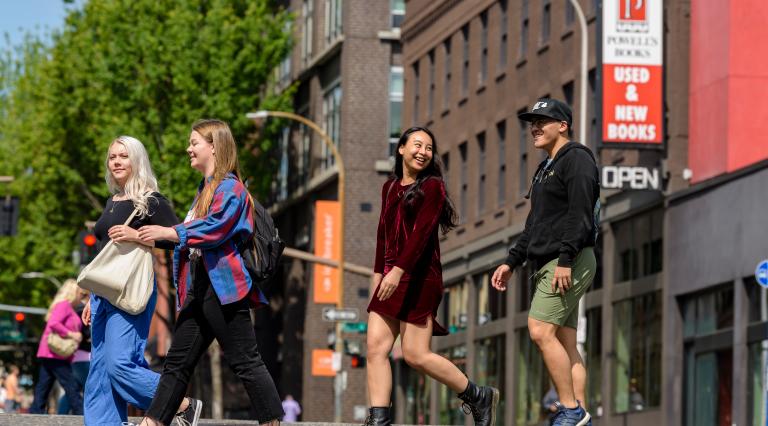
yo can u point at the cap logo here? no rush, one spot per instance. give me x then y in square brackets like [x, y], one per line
[538, 105]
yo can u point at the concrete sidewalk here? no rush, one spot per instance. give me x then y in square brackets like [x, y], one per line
[43, 420]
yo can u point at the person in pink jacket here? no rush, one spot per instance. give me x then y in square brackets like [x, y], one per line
[63, 320]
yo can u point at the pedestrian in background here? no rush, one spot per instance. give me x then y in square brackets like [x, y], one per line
[407, 285]
[558, 241]
[119, 374]
[64, 321]
[213, 287]
[11, 386]
[81, 360]
[292, 409]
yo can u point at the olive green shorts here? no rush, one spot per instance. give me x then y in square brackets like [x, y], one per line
[554, 308]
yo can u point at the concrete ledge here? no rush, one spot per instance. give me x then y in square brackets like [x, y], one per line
[42, 420]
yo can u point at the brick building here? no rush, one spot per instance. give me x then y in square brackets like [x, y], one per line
[676, 328]
[346, 68]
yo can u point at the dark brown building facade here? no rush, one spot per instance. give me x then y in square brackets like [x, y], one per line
[470, 68]
[346, 70]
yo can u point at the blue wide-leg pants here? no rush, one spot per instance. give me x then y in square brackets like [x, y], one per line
[119, 373]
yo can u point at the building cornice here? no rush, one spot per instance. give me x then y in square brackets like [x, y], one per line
[426, 19]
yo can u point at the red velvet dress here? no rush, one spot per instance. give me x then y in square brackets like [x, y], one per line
[408, 238]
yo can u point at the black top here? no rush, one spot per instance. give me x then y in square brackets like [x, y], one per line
[564, 206]
[117, 212]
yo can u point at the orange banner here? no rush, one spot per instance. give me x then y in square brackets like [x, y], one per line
[322, 362]
[326, 278]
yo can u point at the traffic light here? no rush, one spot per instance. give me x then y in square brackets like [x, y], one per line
[87, 246]
[19, 317]
[357, 361]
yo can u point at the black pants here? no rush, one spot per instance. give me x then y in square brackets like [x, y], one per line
[56, 369]
[202, 319]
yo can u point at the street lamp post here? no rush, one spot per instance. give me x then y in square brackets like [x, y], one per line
[339, 343]
[33, 275]
[581, 334]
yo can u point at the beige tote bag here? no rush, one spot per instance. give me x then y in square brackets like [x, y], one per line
[121, 273]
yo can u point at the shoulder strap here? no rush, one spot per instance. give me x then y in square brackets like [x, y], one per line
[131, 216]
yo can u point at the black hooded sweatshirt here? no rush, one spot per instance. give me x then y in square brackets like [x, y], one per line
[564, 207]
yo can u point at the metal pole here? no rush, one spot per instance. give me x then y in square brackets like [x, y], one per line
[339, 344]
[309, 257]
[31, 275]
[581, 333]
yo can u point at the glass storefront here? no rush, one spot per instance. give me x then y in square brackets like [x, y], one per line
[532, 382]
[490, 369]
[456, 300]
[637, 340]
[450, 405]
[593, 348]
[491, 304]
[416, 397]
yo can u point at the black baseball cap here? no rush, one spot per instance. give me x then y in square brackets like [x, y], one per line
[548, 108]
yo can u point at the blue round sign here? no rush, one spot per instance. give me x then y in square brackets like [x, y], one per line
[761, 273]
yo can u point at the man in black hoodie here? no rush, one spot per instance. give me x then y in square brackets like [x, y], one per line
[558, 241]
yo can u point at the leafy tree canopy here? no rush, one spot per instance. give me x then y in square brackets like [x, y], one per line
[145, 68]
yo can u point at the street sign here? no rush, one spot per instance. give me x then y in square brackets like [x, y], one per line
[761, 273]
[340, 315]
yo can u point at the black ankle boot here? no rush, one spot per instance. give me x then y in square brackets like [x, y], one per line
[481, 402]
[378, 416]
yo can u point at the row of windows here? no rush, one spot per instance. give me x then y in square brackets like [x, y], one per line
[333, 23]
[635, 358]
[503, 39]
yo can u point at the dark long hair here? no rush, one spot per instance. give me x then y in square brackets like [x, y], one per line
[434, 170]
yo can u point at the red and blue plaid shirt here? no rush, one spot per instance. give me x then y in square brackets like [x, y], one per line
[229, 220]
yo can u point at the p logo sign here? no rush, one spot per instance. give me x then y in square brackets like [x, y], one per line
[761, 273]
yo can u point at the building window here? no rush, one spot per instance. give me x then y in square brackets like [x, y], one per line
[532, 381]
[756, 374]
[447, 81]
[501, 184]
[637, 349]
[491, 304]
[395, 107]
[333, 26]
[417, 391]
[465, 60]
[568, 93]
[446, 171]
[416, 90]
[708, 342]
[708, 312]
[456, 300]
[450, 406]
[307, 12]
[522, 186]
[570, 13]
[331, 121]
[546, 18]
[503, 34]
[305, 151]
[481, 169]
[397, 8]
[594, 349]
[464, 186]
[592, 111]
[639, 246]
[431, 94]
[283, 171]
[491, 367]
[524, 27]
[525, 286]
[483, 48]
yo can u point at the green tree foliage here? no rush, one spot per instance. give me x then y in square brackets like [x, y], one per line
[145, 68]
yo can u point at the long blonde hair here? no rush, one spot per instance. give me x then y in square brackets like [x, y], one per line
[216, 132]
[142, 181]
[67, 292]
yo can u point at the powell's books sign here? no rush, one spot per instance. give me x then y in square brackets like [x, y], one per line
[632, 74]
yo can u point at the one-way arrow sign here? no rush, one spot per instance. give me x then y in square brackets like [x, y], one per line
[340, 315]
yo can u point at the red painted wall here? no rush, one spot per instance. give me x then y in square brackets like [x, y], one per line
[728, 99]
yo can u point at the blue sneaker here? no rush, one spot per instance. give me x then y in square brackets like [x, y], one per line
[570, 416]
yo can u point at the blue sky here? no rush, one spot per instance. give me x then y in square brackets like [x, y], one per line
[38, 16]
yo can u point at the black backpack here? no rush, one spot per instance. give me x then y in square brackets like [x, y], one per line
[261, 253]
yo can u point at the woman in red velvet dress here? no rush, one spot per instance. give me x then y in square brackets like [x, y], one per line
[407, 283]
